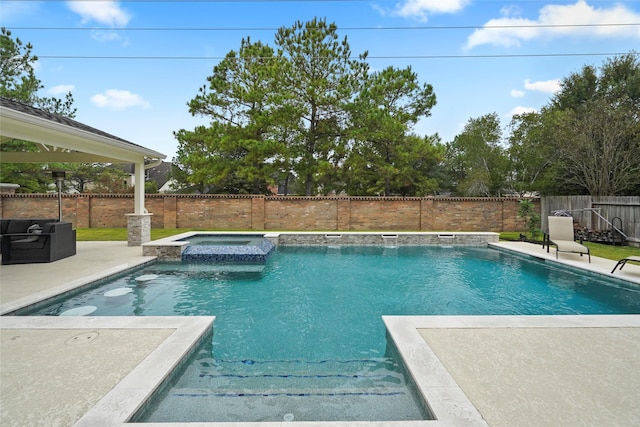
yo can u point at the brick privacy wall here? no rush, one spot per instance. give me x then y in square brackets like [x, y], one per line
[300, 213]
[385, 214]
[107, 212]
[213, 212]
[294, 213]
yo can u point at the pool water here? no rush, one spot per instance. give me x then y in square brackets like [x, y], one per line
[303, 336]
[223, 240]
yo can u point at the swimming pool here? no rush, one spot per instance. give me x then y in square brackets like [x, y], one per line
[314, 315]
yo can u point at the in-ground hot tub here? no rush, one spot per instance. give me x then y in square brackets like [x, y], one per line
[226, 248]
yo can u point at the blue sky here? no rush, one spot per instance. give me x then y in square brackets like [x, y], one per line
[474, 69]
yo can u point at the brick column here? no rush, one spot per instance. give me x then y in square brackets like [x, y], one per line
[426, 214]
[170, 205]
[344, 214]
[257, 213]
[83, 211]
[138, 229]
[510, 219]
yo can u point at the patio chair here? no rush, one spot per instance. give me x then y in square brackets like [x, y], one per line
[561, 235]
[56, 240]
[623, 261]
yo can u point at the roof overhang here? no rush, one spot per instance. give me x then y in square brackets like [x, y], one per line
[56, 138]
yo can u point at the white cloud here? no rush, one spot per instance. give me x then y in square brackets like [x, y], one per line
[517, 93]
[118, 100]
[104, 12]
[547, 86]
[556, 21]
[520, 110]
[107, 36]
[61, 89]
[422, 8]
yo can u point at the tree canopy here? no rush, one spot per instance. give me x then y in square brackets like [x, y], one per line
[307, 114]
[18, 80]
[19, 83]
[385, 158]
[477, 161]
[587, 139]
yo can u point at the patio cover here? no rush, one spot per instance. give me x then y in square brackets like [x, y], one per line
[65, 140]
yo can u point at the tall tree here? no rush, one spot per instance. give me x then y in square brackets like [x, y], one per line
[218, 159]
[599, 146]
[320, 79]
[239, 152]
[19, 83]
[18, 80]
[531, 154]
[98, 178]
[384, 158]
[597, 113]
[477, 160]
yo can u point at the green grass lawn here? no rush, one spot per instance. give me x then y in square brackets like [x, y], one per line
[611, 252]
[597, 249]
[120, 234]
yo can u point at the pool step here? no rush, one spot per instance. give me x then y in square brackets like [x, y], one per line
[278, 373]
[289, 390]
[195, 269]
[213, 380]
[237, 390]
[330, 404]
[324, 380]
[286, 392]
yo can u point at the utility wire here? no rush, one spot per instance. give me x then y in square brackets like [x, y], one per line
[308, 1]
[449, 27]
[183, 58]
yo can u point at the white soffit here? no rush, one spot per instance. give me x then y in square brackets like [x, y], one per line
[86, 146]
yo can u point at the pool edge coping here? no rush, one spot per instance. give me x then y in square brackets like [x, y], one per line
[120, 403]
[572, 264]
[10, 307]
[446, 399]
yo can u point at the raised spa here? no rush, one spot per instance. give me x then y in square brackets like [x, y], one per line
[227, 248]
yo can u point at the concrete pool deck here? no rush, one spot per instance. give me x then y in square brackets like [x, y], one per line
[484, 370]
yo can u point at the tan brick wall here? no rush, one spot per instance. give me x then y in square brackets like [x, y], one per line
[467, 214]
[220, 212]
[83, 212]
[385, 214]
[300, 213]
[510, 215]
[344, 213]
[257, 213]
[110, 211]
[170, 210]
[31, 206]
[156, 206]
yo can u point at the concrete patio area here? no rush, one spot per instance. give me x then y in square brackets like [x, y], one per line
[493, 370]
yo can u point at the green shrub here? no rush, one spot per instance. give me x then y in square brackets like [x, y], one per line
[527, 211]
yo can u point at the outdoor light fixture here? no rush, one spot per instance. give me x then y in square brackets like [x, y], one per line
[59, 175]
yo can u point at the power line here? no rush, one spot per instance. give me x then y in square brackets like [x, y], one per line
[304, 1]
[185, 58]
[448, 27]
